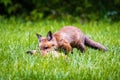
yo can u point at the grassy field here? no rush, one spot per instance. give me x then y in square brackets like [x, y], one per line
[18, 36]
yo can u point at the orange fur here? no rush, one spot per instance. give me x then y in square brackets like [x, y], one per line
[67, 38]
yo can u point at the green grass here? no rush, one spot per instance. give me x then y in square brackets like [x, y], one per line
[18, 36]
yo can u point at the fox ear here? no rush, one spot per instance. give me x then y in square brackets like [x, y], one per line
[49, 36]
[39, 37]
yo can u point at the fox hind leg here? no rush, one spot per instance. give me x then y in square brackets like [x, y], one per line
[81, 47]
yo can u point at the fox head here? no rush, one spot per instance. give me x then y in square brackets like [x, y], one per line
[47, 44]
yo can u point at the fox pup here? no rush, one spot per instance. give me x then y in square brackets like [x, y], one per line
[66, 39]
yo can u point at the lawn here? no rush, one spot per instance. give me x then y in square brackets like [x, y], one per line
[17, 36]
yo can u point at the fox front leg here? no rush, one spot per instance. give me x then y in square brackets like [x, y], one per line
[66, 47]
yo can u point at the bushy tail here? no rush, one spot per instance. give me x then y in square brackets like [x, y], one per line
[93, 44]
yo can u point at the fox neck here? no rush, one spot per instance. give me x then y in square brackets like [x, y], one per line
[55, 41]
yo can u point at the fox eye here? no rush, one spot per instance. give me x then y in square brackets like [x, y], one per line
[46, 47]
[53, 45]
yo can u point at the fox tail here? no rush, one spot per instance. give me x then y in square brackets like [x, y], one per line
[93, 44]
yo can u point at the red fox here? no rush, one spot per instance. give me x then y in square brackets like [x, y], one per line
[66, 39]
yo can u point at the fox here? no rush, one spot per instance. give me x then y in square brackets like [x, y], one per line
[65, 40]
